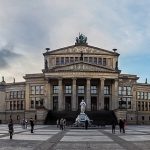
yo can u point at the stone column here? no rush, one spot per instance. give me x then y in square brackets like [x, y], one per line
[60, 95]
[115, 102]
[47, 94]
[27, 100]
[101, 94]
[88, 94]
[74, 95]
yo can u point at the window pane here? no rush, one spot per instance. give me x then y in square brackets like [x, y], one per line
[93, 89]
[68, 89]
[81, 89]
[55, 89]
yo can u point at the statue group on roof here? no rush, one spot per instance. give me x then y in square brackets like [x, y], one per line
[81, 39]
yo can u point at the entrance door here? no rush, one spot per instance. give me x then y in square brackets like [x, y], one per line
[106, 103]
[93, 103]
[68, 103]
[80, 98]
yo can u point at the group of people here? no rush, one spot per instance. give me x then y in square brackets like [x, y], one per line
[121, 123]
[11, 127]
[61, 123]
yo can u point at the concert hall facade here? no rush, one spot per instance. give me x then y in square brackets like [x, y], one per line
[72, 74]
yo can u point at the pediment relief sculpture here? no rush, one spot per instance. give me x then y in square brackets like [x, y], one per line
[82, 67]
[84, 49]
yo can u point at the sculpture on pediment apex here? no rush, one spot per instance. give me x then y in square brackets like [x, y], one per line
[81, 39]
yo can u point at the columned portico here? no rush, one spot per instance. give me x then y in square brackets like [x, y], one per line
[88, 94]
[60, 95]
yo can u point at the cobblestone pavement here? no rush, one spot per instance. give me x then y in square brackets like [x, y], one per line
[51, 138]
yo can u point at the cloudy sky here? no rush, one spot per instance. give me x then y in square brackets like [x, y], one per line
[28, 26]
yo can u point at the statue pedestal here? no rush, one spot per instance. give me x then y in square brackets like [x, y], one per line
[81, 118]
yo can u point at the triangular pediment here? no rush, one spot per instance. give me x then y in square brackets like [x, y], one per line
[81, 66]
[86, 49]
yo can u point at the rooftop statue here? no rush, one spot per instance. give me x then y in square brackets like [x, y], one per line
[81, 39]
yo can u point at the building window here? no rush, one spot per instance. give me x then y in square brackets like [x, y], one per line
[68, 89]
[138, 95]
[107, 90]
[104, 61]
[32, 103]
[126, 90]
[14, 105]
[57, 60]
[55, 103]
[11, 95]
[33, 90]
[145, 95]
[95, 60]
[143, 118]
[66, 60]
[55, 89]
[81, 89]
[76, 59]
[85, 59]
[38, 89]
[90, 60]
[142, 95]
[93, 89]
[148, 95]
[100, 61]
[62, 61]
[11, 106]
[120, 90]
[71, 59]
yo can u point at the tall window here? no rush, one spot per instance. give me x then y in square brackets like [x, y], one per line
[62, 60]
[93, 89]
[66, 60]
[100, 61]
[107, 90]
[55, 103]
[90, 60]
[81, 89]
[32, 102]
[68, 89]
[104, 61]
[55, 89]
[85, 59]
[95, 60]
[57, 60]
[71, 59]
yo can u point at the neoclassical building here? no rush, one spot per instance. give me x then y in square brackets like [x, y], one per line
[71, 74]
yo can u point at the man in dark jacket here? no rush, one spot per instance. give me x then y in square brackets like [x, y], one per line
[11, 128]
[32, 125]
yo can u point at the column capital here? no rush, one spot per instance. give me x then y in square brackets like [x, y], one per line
[102, 79]
[74, 78]
[88, 78]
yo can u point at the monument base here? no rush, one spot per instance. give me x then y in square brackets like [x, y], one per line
[80, 120]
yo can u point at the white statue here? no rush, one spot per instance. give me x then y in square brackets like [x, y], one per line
[83, 105]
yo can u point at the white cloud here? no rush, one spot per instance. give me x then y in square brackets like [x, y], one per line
[33, 25]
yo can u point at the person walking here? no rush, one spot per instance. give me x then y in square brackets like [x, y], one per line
[121, 125]
[113, 126]
[57, 123]
[64, 124]
[32, 125]
[11, 128]
[86, 124]
[61, 123]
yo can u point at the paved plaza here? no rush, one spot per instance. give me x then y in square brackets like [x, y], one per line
[46, 137]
